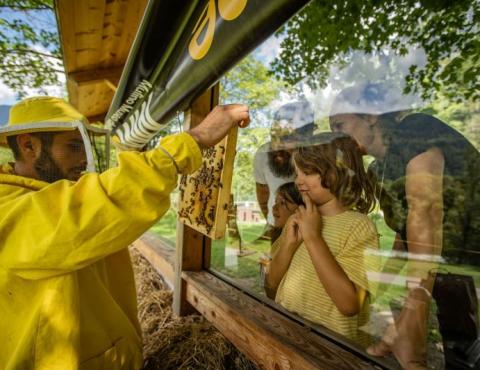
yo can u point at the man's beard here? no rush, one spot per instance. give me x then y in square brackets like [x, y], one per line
[47, 169]
[282, 168]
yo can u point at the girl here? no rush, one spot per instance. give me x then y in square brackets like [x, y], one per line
[287, 201]
[319, 269]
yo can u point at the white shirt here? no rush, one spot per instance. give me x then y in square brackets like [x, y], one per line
[263, 175]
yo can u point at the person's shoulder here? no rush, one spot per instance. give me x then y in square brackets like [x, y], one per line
[423, 126]
[360, 221]
[422, 122]
[417, 132]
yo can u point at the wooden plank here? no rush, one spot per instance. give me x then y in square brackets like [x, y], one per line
[96, 34]
[94, 89]
[88, 32]
[114, 31]
[264, 335]
[192, 246]
[93, 99]
[160, 255]
[73, 94]
[66, 27]
[96, 75]
[132, 17]
[98, 118]
[112, 86]
[189, 257]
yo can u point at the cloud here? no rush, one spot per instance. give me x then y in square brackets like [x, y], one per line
[7, 95]
[268, 50]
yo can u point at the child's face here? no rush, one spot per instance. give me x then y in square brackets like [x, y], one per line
[311, 186]
[283, 208]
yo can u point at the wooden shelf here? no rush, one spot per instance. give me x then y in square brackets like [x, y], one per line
[270, 339]
[160, 255]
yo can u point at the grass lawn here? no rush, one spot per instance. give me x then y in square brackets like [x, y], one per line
[166, 228]
[246, 270]
[5, 155]
[243, 267]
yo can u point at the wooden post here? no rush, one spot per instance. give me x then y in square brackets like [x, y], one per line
[192, 247]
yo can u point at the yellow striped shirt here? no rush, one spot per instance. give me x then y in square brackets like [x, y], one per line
[350, 236]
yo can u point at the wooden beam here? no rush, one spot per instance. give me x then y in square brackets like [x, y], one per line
[189, 257]
[111, 76]
[97, 118]
[160, 255]
[192, 246]
[91, 91]
[120, 26]
[267, 337]
[110, 85]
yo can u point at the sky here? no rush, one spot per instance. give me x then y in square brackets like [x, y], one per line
[40, 20]
[7, 95]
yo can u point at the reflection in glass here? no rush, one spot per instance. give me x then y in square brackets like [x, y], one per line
[402, 79]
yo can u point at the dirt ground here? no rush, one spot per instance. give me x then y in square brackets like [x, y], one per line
[178, 343]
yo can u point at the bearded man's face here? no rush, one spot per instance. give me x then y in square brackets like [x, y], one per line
[279, 162]
[64, 158]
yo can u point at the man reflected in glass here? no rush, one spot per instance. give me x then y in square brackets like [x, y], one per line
[272, 163]
[428, 185]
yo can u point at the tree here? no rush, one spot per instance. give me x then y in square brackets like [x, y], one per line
[251, 83]
[326, 33]
[243, 181]
[464, 117]
[30, 51]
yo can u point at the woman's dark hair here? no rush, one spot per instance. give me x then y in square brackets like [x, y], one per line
[290, 190]
[338, 160]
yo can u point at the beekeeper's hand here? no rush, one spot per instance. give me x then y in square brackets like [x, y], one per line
[218, 122]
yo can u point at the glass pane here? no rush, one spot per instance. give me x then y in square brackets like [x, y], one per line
[353, 102]
[101, 150]
[166, 228]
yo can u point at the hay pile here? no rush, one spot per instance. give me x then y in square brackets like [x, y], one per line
[177, 342]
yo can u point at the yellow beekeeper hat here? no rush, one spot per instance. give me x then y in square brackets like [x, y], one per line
[41, 114]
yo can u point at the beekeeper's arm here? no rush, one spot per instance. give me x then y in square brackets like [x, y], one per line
[66, 226]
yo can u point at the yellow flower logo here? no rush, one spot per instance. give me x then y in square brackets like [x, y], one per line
[228, 10]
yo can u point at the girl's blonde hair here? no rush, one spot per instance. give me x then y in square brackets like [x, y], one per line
[337, 159]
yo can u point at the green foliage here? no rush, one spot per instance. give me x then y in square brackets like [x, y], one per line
[5, 155]
[464, 117]
[328, 32]
[30, 50]
[251, 83]
[166, 227]
[249, 140]
[244, 270]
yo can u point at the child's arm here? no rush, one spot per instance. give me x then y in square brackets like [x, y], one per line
[338, 286]
[290, 241]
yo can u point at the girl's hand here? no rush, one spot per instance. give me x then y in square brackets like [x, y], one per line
[293, 237]
[309, 219]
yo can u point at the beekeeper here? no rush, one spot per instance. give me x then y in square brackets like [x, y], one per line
[67, 294]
